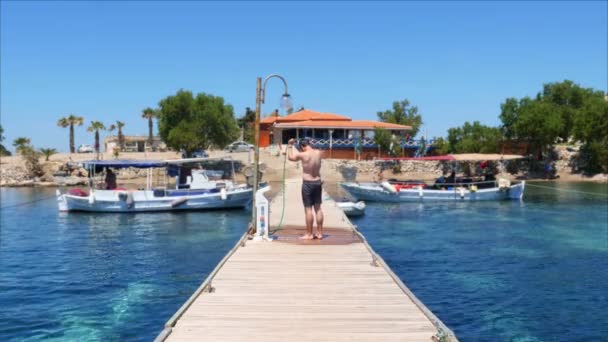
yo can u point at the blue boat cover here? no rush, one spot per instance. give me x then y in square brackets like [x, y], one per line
[122, 163]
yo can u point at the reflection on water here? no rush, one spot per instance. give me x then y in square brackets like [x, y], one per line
[493, 271]
[100, 277]
[535, 270]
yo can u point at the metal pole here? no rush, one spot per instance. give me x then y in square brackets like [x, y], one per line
[256, 155]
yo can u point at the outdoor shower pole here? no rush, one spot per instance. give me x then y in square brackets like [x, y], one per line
[286, 104]
[256, 150]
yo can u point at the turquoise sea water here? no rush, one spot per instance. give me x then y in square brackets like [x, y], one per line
[110, 277]
[492, 271]
[504, 271]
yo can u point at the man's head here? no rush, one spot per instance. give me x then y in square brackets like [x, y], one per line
[304, 144]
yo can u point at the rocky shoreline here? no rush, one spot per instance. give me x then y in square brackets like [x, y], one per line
[64, 171]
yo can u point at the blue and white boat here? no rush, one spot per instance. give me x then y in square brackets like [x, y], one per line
[459, 189]
[196, 188]
[387, 192]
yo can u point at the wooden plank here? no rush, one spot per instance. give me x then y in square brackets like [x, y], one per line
[290, 290]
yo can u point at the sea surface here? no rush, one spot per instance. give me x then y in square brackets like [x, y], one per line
[101, 277]
[535, 270]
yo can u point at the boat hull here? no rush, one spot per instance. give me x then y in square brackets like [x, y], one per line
[352, 209]
[145, 201]
[375, 192]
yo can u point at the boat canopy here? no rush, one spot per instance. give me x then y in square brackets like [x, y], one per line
[196, 160]
[99, 165]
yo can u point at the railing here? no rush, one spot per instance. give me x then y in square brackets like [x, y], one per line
[421, 147]
[366, 143]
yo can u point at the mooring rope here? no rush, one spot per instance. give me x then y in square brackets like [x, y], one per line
[28, 202]
[567, 190]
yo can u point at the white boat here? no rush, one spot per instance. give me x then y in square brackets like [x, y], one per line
[444, 189]
[387, 192]
[352, 208]
[193, 191]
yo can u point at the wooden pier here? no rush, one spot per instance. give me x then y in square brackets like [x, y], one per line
[337, 289]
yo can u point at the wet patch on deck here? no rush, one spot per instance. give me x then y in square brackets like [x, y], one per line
[331, 236]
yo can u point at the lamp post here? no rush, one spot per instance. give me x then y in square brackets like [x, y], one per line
[286, 104]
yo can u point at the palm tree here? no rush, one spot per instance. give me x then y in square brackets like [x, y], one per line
[47, 152]
[150, 114]
[21, 144]
[121, 138]
[111, 128]
[96, 126]
[70, 121]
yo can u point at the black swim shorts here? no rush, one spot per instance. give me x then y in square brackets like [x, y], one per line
[311, 193]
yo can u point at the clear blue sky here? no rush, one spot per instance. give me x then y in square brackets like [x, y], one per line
[457, 61]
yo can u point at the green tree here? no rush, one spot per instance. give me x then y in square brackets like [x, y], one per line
[569, 99]
[3, 150]
[71, 121]
[590, 126]
[403, 114]
[191, 123]
[508, 116]
[22, 144]
[150, 114]
[474, 138]
[535, 121]
[96, 126]
[442, 147]
[246, 123]
[47, 152]
[382, 138]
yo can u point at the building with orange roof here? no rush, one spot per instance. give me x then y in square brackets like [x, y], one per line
[341, 135]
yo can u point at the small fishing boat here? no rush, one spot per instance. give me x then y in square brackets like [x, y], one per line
[196, 188]
[352, 208]
[387, 192]
[444, 189]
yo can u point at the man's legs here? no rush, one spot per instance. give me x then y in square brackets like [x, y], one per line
[309, 222]
[307, 212]
[319, 218]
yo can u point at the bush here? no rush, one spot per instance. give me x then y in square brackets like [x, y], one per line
[32, 162]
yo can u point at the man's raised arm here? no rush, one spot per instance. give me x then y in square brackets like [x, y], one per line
[291, 154]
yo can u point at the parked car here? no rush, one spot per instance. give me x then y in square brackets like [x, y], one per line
[195, 154]
[200, 154]
[85, 149]
[239, 146]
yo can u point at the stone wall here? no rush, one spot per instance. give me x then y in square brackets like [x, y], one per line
[352, 170]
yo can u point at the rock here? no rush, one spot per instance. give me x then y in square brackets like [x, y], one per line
[51, 167]
[80, 172]
[47, 178]
[29, 182]
[600, 177]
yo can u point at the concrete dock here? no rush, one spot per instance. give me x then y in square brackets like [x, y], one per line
[337, 289]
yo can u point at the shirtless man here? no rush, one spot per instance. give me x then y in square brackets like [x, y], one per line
[311, 185]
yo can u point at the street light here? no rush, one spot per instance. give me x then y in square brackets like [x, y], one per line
[286, 104]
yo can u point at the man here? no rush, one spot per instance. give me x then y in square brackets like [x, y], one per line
[311, 185]
[110, 180]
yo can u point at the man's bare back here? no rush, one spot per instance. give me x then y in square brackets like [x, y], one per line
[311, 186]
[311, 164]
